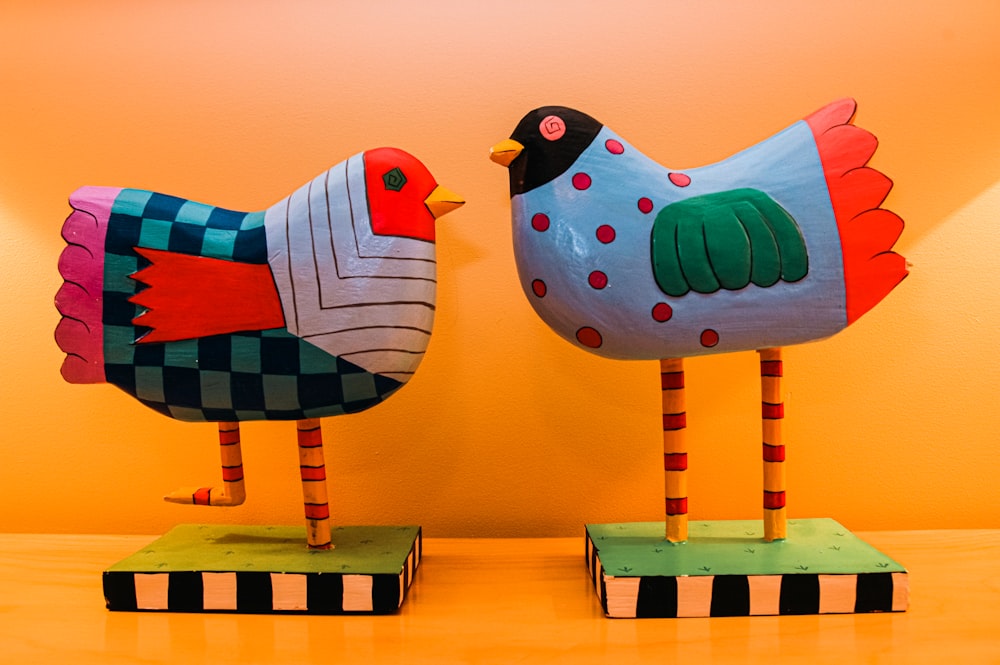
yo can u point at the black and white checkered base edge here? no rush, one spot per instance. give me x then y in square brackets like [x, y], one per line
[745, 595]
[262, 592]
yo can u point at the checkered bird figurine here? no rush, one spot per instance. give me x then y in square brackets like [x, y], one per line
[320, 305]
[782, 243]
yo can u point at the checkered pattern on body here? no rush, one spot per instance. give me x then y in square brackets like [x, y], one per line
[258, 375]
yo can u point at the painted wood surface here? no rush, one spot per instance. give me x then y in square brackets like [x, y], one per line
[782, 243]
[495, 601]
[675, 451]
[264, 570]
[321, 305]
[772, 407]
[725, 570]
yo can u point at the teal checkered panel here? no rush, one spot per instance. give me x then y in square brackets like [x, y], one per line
[252, 375]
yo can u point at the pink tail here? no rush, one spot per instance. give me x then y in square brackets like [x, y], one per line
[80, 332]
[867, 232]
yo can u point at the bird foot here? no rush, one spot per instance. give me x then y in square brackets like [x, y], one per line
[206, 496]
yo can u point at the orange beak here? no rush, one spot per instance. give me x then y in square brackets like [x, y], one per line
[505, 152]
[442, 201]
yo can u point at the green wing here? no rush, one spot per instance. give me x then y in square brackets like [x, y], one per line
[726, 240]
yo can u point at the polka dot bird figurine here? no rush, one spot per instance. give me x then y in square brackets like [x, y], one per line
[779, 244]
[318, 306]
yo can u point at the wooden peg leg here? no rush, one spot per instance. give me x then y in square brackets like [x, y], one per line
[773, 414]
[233, 492]
[313, 470]
[674, 448]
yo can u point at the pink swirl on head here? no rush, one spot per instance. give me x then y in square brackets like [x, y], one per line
[552, 127]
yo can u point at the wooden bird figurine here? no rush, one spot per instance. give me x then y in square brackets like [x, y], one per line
[320, 305]
[779, 244]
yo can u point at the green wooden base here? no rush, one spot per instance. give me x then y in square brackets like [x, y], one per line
[267, 569]
[727, 569]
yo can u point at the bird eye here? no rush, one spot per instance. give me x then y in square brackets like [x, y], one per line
[394, 179]
[552, 127]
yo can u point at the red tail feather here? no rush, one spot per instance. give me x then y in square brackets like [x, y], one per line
[867, 232]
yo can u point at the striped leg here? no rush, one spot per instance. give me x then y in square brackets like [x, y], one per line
[773, 414]
[233, 492]
[313, 470]
[674, 448]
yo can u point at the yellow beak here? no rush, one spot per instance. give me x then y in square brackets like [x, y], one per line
[505, 152]
[442, 201]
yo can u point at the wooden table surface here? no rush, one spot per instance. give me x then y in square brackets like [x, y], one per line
[495, 601]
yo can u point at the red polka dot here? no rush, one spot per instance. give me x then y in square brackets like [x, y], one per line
[605, 233]
[709, 338]
[598, 279]
[540, 222]
[589, 337]
[581, 181]
[662, 312]
[680, 179]
[645, 205]
[538, 288]
[614, 147]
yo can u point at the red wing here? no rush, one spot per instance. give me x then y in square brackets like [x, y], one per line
[196, 296]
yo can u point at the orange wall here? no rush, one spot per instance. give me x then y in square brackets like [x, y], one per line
[507, 430]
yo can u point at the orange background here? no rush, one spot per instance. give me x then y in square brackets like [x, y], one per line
[506, 430]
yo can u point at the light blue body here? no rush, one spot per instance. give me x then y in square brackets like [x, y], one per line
[786, 166]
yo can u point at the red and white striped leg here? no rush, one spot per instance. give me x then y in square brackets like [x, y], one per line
[773, 414]
[312, 468]
[674, 449]
[233, 492]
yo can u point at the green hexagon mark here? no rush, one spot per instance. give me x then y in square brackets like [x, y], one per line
[394, 179]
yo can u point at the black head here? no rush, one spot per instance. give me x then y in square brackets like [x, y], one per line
[553, 137]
